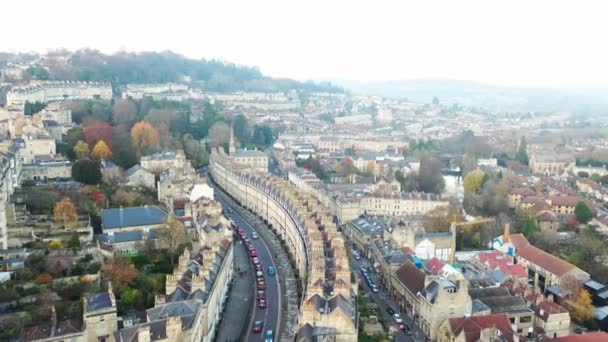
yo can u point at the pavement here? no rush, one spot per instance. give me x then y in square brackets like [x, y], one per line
[239, 301]
[383, 301]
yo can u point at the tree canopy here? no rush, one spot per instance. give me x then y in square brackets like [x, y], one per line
[582, 212]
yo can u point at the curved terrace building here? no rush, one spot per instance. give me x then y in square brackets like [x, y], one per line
[58, 91]
[311, 237]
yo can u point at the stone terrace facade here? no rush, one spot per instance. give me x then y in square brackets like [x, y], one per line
[313, 242]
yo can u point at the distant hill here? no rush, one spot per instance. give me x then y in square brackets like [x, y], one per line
[499, 98]
[161, 67]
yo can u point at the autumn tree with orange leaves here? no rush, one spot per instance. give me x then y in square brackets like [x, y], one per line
[120, 271]
[101, 150]
[65, 212]
[144, 135]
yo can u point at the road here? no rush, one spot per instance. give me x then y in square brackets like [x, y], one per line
[383, 301]
[270, 315]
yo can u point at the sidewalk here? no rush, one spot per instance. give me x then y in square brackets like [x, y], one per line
[236, 316]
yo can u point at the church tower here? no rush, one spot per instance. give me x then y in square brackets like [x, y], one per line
[232, 147]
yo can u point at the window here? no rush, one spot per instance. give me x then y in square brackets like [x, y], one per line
[525, 319]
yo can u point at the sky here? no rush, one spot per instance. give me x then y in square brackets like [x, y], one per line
[509, 42]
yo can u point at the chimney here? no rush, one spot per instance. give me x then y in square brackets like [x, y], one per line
[143, 334]
[507, 234]
[174, 328]
[111, 294]
[159, 299]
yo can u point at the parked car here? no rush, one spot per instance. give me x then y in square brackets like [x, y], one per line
[253, 253]
[259, 274]
[256, 260]
[390, 311]
[257, 327]
[262, 304]
[397, 318]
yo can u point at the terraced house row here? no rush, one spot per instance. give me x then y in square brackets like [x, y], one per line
[315, 245]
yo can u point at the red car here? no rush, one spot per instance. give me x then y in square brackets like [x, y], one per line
[257, 327]
[253, 253]
[261, 286]
[246, 241]
[262, 304]
[261, 298]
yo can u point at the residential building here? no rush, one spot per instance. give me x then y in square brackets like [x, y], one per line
[137, 176]
[316, 246]
[498, 300]
[401, 204]
[485, 328]
[440, 300]
[57, 91]
[161, 161]
[256, 161]
[43, 169]
[551, 164]
[125, 229]
[99, 321]
[544, 269]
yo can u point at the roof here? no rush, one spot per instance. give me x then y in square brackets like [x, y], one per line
[99, 301]
[411, 277]
[546, 261]
[131, 217]
[435, 265]
[565, 201]
[547, 308]
[598, 336]
[473, 326]
[250, 153]
[133, 169]
[521, 191]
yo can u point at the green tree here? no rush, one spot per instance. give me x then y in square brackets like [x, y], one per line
[31, 108]
[530, 226]
[74, 242]
[242, 132]
[430, 178]
[582, 212]
[86, 171]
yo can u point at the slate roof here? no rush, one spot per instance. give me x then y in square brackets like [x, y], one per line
[158, 331]
[133, 169]
[131, 217]
[99, 301]
[431, 291]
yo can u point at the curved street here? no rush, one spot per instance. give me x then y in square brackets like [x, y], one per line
[270, 315]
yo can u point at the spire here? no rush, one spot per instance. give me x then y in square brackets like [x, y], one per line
[232, 147]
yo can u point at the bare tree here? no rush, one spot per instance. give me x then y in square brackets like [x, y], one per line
[219, 134]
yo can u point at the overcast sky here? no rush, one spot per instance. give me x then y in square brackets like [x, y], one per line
[527, 43]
